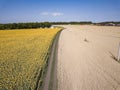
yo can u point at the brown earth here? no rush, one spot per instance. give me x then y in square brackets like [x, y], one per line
[86, 58]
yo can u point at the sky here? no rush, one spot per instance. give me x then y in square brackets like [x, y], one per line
[14, 11]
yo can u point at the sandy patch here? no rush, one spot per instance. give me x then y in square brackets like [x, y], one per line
[84, 58]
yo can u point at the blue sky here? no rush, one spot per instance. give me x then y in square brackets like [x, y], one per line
[12, 11]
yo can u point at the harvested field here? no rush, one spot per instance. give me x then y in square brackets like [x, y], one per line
[86, 58]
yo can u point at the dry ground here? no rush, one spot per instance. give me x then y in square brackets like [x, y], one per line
[85, 58]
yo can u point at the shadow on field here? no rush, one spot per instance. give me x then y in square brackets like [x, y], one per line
[115, 58]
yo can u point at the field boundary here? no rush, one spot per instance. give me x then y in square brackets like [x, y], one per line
[53, 76]
[49, 77]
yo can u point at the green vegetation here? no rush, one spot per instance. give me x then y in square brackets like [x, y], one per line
[49, 24]
[73, 23]
[24, 25]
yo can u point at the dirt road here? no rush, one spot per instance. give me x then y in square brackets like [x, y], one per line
[85, 58]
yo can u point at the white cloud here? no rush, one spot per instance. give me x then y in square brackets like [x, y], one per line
[57, 14]
[52, 14]
[44, 13]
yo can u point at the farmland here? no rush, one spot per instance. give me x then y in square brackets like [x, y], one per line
[23, 54]
[86, 58]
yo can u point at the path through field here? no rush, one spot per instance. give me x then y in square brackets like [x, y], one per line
[85, 58]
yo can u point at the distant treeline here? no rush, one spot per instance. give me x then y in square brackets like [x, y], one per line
[25, 25]
[49, 24]
[73, 23]
[108, 23]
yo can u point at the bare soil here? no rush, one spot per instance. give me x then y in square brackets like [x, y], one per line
[86, 58]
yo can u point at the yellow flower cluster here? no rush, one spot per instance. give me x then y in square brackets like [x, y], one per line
[22, 55]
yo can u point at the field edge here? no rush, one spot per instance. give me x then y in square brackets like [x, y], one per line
[50, 78]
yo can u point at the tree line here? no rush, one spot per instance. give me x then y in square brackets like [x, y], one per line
[112, 23]
[49, 24]
[24, 25]
[73, 23]
[36, 25]
[109, 23]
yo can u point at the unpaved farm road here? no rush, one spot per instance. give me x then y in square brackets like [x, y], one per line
[85, 58]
